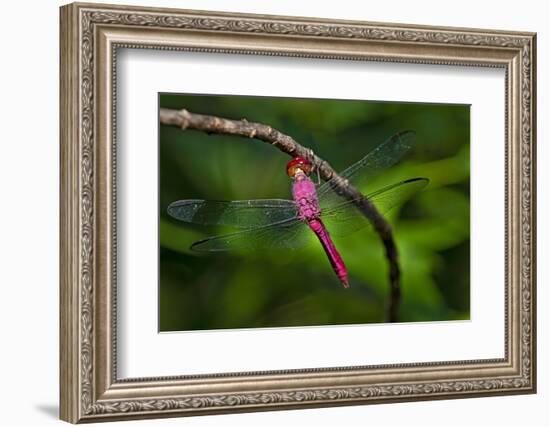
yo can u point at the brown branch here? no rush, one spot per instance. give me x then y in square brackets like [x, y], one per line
[217, 125]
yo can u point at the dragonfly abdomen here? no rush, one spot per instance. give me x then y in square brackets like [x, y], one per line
[333, 255]
[305, 197]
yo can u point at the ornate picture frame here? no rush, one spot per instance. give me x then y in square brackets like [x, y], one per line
[90, 37]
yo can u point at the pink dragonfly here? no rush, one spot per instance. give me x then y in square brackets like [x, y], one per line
[287, 224]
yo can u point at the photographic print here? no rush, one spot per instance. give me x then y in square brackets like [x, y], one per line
[250, 237]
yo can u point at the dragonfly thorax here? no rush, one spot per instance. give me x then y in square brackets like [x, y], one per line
[305, 197]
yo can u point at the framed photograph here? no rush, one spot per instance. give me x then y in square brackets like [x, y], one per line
[267, 212]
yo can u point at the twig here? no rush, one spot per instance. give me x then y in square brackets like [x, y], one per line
[217, 125]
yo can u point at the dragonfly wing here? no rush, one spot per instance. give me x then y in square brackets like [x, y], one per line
[287, 234]
[346, 218]
[237, 213]
[385, 155]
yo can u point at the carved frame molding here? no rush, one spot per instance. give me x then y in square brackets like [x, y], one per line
[90, 37]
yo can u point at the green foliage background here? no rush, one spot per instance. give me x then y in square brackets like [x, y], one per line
[297, 288]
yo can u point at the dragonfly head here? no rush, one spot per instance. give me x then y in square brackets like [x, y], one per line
[298, 164]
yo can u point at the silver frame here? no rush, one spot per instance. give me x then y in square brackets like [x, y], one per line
[90, 36]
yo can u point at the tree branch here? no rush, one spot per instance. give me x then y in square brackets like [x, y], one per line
[217, 125]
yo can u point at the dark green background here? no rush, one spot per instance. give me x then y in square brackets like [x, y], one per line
[296, 288]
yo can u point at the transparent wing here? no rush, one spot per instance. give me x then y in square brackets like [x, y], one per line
[238, 213]
[288, 234]
[346, 218]
[385, 155]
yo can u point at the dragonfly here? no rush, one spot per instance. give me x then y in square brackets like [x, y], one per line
[287, 224]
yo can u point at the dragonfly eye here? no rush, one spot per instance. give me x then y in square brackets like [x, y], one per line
[298, 163]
